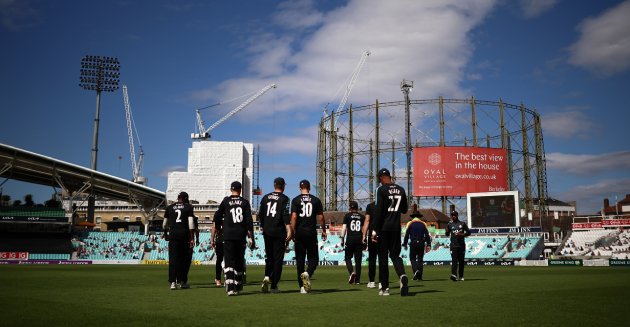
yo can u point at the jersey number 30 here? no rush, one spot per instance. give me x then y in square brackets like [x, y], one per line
[306, 210]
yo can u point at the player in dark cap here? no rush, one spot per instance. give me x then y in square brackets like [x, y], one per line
[306, 209]
[353, 221]
[391, 202]
[372, 247]
[276, 225]
[417, 234]
[234, 217]
[179, 220]
[457, 230]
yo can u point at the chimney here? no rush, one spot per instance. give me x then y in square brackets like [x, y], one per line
[606, 203]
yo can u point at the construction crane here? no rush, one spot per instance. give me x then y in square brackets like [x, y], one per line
[205, 133]
[329, 145]
[353, 78]
[136, 167]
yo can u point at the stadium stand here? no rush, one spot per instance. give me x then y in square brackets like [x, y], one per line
[48, 256]
[581, 242]
[619, 247]
[111, 246]
[202, 252]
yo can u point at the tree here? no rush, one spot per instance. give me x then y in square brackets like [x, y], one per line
[52, 203]
[6, 198]
[17, 203]
[28, 200]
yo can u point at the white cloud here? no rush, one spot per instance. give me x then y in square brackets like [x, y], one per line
[604, 46]
[297, 14]
[533, 8]
[474, 77]
[569, 124]
[288, 168]
[589, 164]
[164, 172]
[424, 41]
[590, 198]
[303, 141]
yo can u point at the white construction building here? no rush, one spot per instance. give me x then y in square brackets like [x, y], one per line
[212, 167]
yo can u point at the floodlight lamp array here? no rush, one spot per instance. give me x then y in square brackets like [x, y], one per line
[100, 73]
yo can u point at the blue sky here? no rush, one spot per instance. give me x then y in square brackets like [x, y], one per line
[568, 59]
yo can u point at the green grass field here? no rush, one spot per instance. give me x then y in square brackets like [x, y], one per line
[110, 295]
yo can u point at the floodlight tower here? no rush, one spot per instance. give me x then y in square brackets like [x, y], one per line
[99, 74]
[406, 87]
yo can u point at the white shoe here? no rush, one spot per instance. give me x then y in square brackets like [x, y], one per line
[352, 277]
[380, 287]
[384, 292]
[230, 293]
[265, 285]
[306, 281]
[173, 286]
[275, 291]
[302, 290]
[461, 279]
[454, 278]
[371, 285]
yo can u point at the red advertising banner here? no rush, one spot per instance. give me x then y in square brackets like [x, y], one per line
[615, 222]
[576, 226]
[456, 171]
[13, 255]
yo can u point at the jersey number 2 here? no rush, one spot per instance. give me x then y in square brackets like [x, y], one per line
[179, 216]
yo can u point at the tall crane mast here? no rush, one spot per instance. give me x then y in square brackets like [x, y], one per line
[136, 167]
[331, 128]
[355, 74]
[205, 133]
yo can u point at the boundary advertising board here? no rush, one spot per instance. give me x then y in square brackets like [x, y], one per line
[574, 262]
[456, 171]
[13, 255]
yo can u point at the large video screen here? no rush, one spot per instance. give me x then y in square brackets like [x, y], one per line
[457, 171]
[493, 209]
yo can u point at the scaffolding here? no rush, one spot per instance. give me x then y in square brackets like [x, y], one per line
[382, 135]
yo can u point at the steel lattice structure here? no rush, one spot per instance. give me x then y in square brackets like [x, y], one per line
[355, 143]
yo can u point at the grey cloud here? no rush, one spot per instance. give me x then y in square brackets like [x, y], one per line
[604, 44]
[533, 8]
[589, 164]
[590, 198]
[164, 172]
[569, 124]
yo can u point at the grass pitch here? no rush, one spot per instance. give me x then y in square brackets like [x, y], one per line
[111, 295]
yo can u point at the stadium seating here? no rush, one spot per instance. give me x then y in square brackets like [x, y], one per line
[580, 242]
[619, 249]
[160, 250]
[48, 256]
[112, 246]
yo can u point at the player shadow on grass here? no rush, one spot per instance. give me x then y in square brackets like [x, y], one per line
[448, 280]
[322, 291]
[423, 292]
